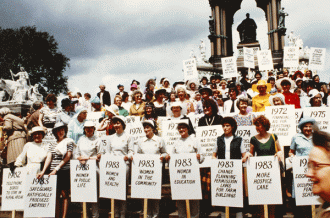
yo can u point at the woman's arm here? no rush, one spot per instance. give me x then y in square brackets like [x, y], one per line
[41, 117]
[66, 159]
[47, 163]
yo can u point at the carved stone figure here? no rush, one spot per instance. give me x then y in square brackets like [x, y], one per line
[23, 78]
[281, 18]
[192, 54]
[247, 30]
[34, 94]
[211, 26]
[19, 91]
[202, 49]
[9, 86]
[292, 39]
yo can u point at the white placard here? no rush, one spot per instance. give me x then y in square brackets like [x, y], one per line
[321, 115]
[194, 118]
[190, 69]
[265, 60]
[113, 177]
[170, 133]
[146, 176]
[248, 57]
[185, 177]
[83, 181]
[131, 119]
[298, 113]
[207, 136]
[291, 57]
[264, 180]
[283, 123]
[40, 196]
[229, 67]
[135, 130]
[95, 117]
[246, 132]
[302, 184]
[49, 138]
[317, 58]
[13, 188]
[226, 183]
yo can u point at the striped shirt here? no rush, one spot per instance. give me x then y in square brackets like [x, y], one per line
[57, 158]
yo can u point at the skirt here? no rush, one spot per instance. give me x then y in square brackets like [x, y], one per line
[15, 148]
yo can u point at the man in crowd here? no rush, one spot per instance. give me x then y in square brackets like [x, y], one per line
[121, 90]
[230, 104]
[104, 96]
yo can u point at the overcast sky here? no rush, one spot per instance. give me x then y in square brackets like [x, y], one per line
[115, 41]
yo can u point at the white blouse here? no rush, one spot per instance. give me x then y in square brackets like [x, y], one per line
[155, 145]
[87, 147]
[119, 144]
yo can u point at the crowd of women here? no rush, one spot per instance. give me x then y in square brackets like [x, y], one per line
[218, 101]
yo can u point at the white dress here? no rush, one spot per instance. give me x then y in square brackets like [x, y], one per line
[32, 155]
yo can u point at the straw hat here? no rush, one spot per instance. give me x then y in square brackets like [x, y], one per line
[261, 83]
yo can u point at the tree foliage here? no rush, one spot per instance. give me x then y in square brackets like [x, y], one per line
[38, 53]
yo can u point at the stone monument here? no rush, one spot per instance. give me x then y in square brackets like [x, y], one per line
[18, 95]
[248, 35]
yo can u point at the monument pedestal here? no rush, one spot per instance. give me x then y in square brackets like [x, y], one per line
[240, 56]
[254, 45]
[17, 108]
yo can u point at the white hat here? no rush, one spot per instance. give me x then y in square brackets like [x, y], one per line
[112, 109]
[150, 122]
[278, 95]
[121, 119]
[176, 104]
[89, 124]
[292, 83]
[312, 93]
[37, 129]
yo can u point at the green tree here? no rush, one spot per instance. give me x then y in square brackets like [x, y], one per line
[38, 53]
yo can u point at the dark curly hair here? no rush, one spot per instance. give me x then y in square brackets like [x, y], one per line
[211, 103]
[231, 121]
[51, 97]
[262, 120]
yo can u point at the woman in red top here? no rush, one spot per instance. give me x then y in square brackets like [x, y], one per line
[290, 98]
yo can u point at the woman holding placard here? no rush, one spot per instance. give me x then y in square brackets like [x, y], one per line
[187, 143]
[301, 145]
[229, 146]
[264, 144]
[151, 144]
[120, 144]
[211, 116]
[88, 148]
[58, 158]
[34, 153]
